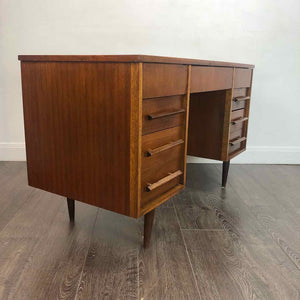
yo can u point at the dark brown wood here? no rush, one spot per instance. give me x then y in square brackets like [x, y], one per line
[148, 222]
[159, 166]
[164, 107]
[226, 165]
[85, 117]
[205, 79]
[77, 126]
[206, 121]
[132, 59]
[71, 209]
[165, 114]
[164, 80]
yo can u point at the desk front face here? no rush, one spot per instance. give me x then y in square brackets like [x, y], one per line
[116, 135]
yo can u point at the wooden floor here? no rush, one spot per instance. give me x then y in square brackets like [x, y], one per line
[242, 242]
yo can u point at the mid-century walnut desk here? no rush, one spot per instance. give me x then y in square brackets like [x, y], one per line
[114, 131]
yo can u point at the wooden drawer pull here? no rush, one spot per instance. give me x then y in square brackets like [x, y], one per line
[236, 99]
[151, 152]
[237, 141]
[153, 186]
[166, 114]
[239, 120]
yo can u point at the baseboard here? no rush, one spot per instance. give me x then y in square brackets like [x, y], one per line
[253, 155]
[261, 155]
[12, 152]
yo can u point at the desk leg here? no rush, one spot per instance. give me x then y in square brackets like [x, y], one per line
[225, 172]
[71, 209]
[148, 222]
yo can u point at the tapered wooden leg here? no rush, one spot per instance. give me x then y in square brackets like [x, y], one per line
[225, 172]
[148, 222]
[71, 209]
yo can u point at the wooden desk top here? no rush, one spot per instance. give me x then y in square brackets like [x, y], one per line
[132, 58]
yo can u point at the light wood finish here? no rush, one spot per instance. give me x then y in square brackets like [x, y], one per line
[160, 182]
[88, 120]
[164, 80]
[165, 147]
[242, 78]
[207, 243]
[205, 79]
[135, 137]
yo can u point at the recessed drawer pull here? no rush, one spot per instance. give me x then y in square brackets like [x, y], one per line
[237, 99]
[166, 114]
[151, 152]
[237, 141]
[153, 186]
[239, 120]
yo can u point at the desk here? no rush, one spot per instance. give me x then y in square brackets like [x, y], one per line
[114, 131]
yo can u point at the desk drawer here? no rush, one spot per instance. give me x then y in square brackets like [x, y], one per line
[205, 79]
[162, 162]
[236, 144]
[242, 78]
[238, 120]
[162, 113]
[164, 80]
[235, 134]
[239, 98]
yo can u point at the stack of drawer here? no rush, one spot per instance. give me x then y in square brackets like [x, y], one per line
[163, 133]
[239, 112]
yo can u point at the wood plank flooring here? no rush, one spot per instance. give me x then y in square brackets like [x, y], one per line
[242, 242]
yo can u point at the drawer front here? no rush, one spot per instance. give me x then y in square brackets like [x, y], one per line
[234, 148]
[164, 80]
[162, 162]
[239, 98]
[238, 120]
[162, 113]
[242, 78]
[235, 134]
[205, 79]
[238, 114]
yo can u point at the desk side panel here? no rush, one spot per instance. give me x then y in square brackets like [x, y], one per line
[77, 128]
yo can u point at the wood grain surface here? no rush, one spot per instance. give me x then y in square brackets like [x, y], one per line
[78, 130]
[241, 242]
[131, 58]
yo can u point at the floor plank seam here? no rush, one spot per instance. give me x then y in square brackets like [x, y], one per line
[264, 229]
[187, 253]
[203, 229]
[19, 209]
[87, 252]
[275, 241]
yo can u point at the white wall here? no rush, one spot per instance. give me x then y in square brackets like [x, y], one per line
[262, 32]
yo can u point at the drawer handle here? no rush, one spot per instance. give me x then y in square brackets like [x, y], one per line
[155, 185]
[151, 152]
[237, 141]
[237, 99]
[239, 120]
[161, 115]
